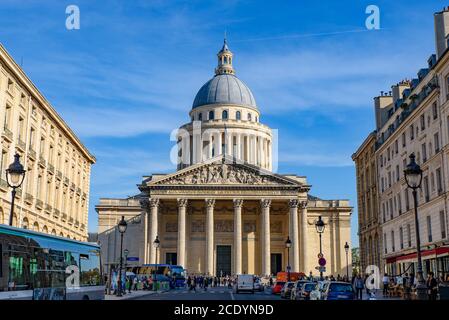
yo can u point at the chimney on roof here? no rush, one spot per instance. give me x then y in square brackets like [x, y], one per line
[441, 20]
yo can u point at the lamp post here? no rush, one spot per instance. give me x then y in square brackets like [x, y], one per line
[122, 225]
[288, 244]
[156, 245]
[15, 174]
[347, 263]
[320, 226]
[413, 177]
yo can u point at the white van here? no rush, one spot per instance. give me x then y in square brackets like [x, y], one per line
[245, 282]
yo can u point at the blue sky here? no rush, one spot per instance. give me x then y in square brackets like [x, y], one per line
[129, 75]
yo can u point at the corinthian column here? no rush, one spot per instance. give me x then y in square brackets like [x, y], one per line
[305, 263]
[210, 203]
[182, 204]
[266, 248]
[154, 205]
[294, 233]
[238, 236]
[144, 203]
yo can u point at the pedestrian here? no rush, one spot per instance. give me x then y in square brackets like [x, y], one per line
[385, 281]
[407, 287]
[205, 283]
[135, 282]
[432, 286]
[128, 284]
[359, 286]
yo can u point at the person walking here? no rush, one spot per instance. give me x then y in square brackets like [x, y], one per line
[205, 283]
[359, 286]
[432, 286]
[385, 282]
[135, 282]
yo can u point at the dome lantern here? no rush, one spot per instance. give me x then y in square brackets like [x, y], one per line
[224, 60]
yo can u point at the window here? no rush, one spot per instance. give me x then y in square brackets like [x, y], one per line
[409, 235]
[423, 122]
[434, 110]
[407, 202]
[383, 212]
[436, 140]
[388, 153]
[443, 225]
[385, 243]
[39, 186]
[424, 152]
[403, 136]
[211, 115]
[392, 241]
[439, 180]
[399, 203]
[429, 229]
[396, 146]
[3, 164]
[401, 237]
[249, 116]
[224, 115]
[238, 115]
[412, 133]
[32, 135]
[390, 202]
[200, 116]
[42, 147]
[7, 121]
[397, 173]
[426, 188]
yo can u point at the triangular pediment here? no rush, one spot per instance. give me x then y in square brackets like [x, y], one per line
[224, 171]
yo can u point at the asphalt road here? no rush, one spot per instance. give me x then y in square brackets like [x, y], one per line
[219, 293]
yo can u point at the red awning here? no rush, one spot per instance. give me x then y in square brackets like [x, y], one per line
[432, 252]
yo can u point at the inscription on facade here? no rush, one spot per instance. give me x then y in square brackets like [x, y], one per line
[171, 227]
[224, 226]
[249, 226]
[198, 226]
[276, 226]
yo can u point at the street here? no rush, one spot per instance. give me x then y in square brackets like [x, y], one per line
[218, 293]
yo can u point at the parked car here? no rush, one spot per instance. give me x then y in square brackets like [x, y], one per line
[304, 294]
[258, 286]
[286, 290]
[297, 288]
[277, 287]
[337, 290]
[315, 294]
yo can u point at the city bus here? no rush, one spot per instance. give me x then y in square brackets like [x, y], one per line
[38, 266]
[175, 274]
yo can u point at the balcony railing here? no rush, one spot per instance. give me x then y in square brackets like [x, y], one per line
[83, 226]
[58, 175]
[39, 204]
[42, 161]
[66, 181]
[78, 190]
[56, 213]
[51, 168]
[77, 223]
[48, 208]
[72, 186]
[29, 198]
[71, 220]
[21, 145]
[7, 134]
[32, 153]
[64, 216]
[3, 184]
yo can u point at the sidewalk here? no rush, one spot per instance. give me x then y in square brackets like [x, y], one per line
[132, 295]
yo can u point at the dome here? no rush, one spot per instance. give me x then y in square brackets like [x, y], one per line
[225, 89]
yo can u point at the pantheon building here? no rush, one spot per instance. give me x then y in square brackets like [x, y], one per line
[223, 211]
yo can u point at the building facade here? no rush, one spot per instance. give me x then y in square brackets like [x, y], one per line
[224, 211]
[54, 196]
[414, 118]
[368, 212]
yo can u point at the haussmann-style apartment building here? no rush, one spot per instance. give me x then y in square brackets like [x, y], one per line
[54, 196]
[411, 118]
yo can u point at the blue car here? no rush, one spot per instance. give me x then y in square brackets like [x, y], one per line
[336, 290]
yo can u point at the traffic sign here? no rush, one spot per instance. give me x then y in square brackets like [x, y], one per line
[322, 262]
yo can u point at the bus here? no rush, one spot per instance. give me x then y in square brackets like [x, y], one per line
[38, 266]
[175, 274]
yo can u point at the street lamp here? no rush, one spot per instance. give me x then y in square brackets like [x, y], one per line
[122, 225]
[156, 245]
[15, 174]
[320, 226]
[413, 177]
[347, 263]
[288, 244]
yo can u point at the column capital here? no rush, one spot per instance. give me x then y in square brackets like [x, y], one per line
[303, 204]
[182, 202]
[210, 203]
[293, 203]
[238, 203]
[265, 203]
[153, 202]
